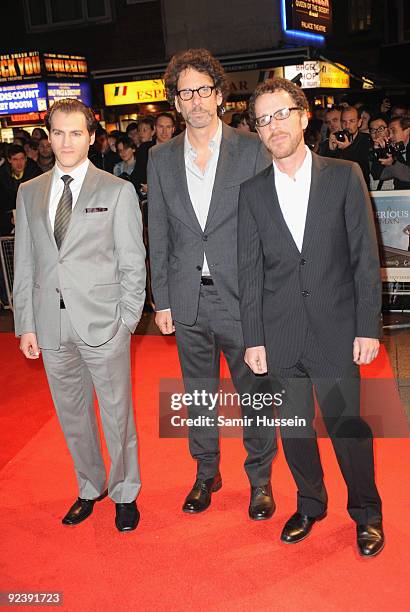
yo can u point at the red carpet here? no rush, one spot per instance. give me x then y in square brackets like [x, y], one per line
[216, 561]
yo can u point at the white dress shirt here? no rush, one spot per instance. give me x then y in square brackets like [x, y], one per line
[293, 196]
[200, 185]
[57, 187]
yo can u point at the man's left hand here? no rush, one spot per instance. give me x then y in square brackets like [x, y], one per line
[365, 350]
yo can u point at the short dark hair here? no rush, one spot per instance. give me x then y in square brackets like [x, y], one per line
[379, 117]
[331, 109]
[70, 105]
[167, 115]
[278, 84]
[100, 131]
[131, 126]
[33, 144]
[148, 120]
[404, 121]
[198, 59]
[238, 118]
[126, 142]
[14, 149]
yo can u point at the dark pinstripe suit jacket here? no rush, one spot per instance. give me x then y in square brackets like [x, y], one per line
[177, 242]
[332, 287]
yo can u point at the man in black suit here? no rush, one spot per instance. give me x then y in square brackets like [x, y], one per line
[310, 297]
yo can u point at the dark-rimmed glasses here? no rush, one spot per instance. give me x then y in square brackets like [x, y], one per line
[279, 115]
[203, 92]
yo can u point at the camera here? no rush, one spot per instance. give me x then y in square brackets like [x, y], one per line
[393, 149]
[341, 136]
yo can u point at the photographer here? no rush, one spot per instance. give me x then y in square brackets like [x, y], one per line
[378, 129]
[349, 143]
[394, 161]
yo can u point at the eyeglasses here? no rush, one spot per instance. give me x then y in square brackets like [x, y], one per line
[203, 92]
[378, 130]
[279, 115]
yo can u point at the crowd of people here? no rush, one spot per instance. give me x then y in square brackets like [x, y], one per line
[376, 138]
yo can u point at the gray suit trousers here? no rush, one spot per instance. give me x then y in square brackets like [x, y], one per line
[199, 348]
[73, 371]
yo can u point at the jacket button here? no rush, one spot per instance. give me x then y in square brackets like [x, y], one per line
[204, 237]
[302, 262]
[199, 268]
[305, 293]
[57, 290]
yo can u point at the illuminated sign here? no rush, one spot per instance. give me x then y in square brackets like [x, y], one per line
[315, 74]
[28, 118]
[26, 98]
[79, 91]
[20, 66]
[59, 65]
[307, 21]
[134, 92]
[310, 72]
[331, 76]
[314, 16]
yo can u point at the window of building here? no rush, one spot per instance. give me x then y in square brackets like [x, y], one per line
[46, 14]
[360, 15]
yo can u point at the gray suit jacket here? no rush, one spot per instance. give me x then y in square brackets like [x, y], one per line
[99, 270]
[332, 287]
[177, 242]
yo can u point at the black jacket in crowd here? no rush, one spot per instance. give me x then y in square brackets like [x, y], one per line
[357, 151]
[8, 192]
[399, 171]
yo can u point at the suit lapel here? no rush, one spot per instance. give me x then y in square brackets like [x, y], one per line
[317, 196]
[224, 169]
[179, 173]
[276, 209]
[48, 177]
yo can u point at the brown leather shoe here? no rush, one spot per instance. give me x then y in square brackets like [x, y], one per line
[199, 498]
[81, 509]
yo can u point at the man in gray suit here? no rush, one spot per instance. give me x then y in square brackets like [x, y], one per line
[193, 187]
[79, 291]
[310, 298]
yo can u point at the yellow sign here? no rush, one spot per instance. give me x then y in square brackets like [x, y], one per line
[331, 76]
[134, 92]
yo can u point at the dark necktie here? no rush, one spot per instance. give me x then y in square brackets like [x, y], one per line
[63, 213]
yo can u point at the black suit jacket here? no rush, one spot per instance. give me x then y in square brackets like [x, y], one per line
[332, 287]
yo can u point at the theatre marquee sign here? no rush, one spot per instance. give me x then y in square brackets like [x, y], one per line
[310, 16]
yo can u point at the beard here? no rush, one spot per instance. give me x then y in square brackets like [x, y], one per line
[283, 144]
[199, 117]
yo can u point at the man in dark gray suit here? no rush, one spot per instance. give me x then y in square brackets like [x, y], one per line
[310, 297]
[79, 289]
[193, 187]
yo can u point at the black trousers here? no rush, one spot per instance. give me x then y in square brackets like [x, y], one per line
[199, 348]
[338, 395]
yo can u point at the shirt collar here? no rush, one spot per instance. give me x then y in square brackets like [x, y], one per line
[304, 169]
[213, 144]
[77, 175]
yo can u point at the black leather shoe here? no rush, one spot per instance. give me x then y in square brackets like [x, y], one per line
[81, 509]
[370, 539]
[298, 527]
[127, 516]
[199, 498]
[262, 505]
